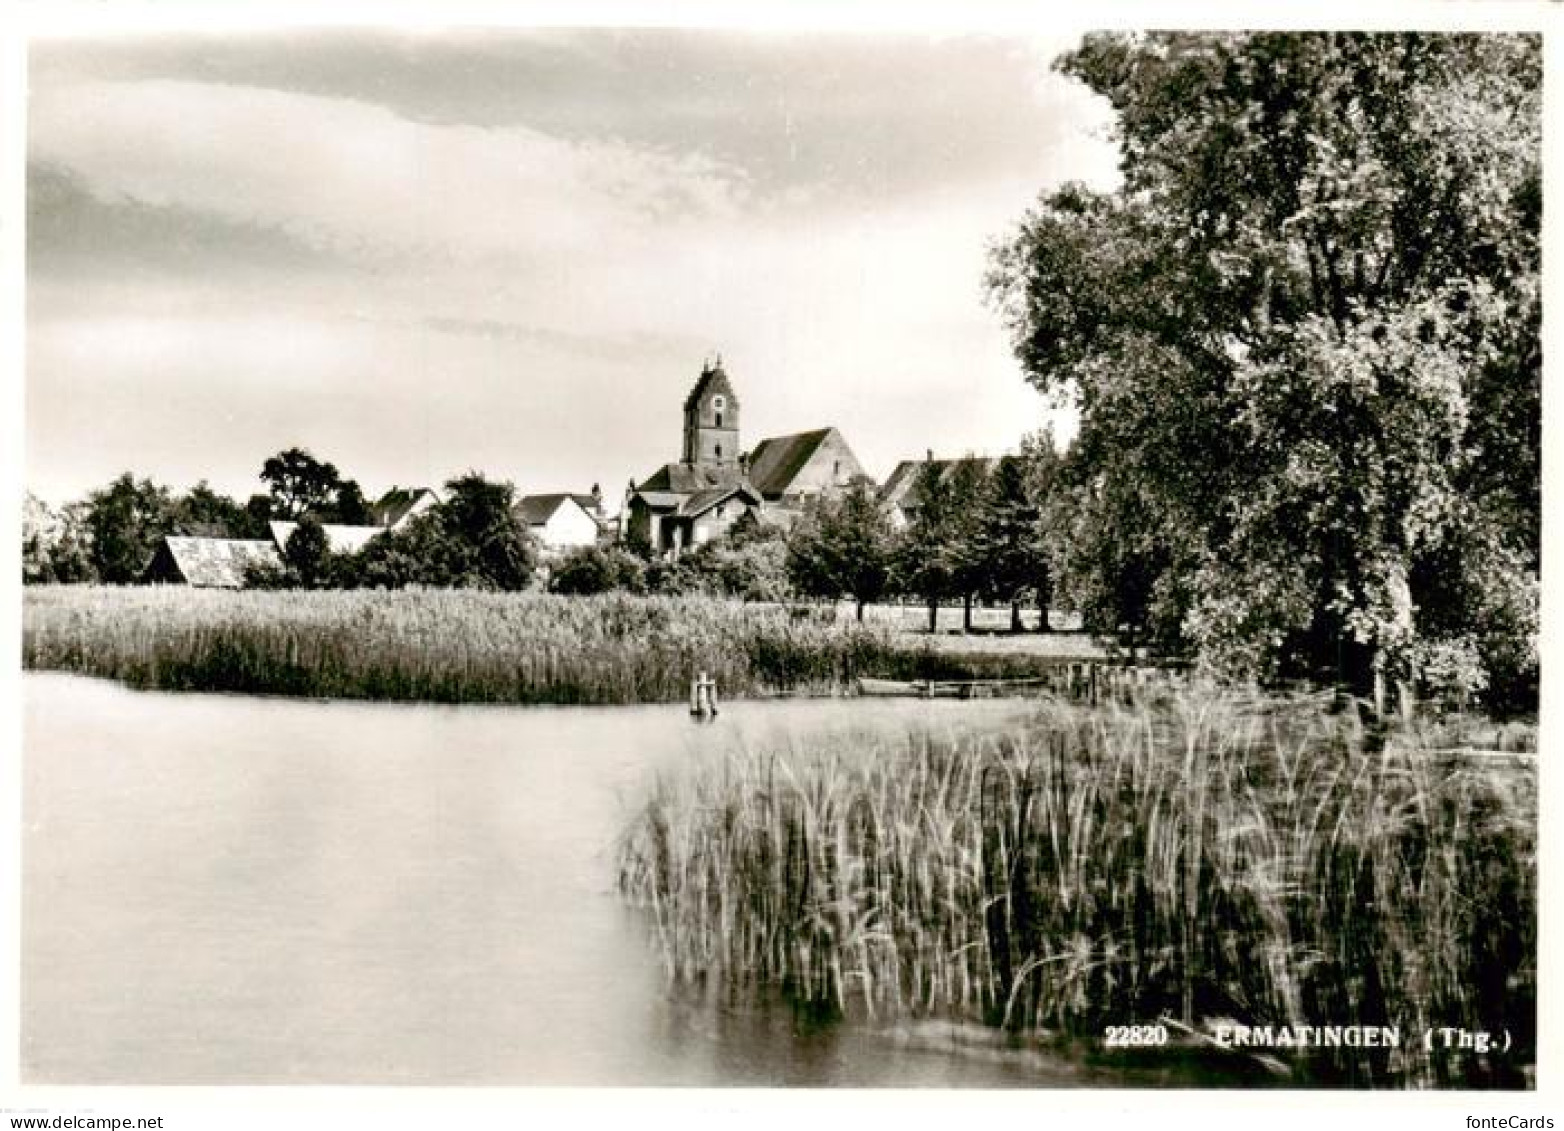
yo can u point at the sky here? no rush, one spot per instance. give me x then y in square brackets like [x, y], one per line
[420, 253]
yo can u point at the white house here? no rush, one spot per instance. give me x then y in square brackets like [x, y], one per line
[341, 538]
[562, 521]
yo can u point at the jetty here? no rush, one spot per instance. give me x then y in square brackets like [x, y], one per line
[1090, 681]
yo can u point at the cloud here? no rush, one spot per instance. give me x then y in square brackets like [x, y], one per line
[359, 179]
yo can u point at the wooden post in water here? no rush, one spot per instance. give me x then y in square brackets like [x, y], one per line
[703, 697]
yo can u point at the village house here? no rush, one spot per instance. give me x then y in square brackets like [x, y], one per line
[563, 521]
[220, 563]
[899, 497]
[713, 485]
[208, 563]
[400, 505]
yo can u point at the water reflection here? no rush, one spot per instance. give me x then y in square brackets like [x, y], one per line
[230, 889]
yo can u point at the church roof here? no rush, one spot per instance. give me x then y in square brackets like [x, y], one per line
[777, 459]
[688, 478]
[713, 379]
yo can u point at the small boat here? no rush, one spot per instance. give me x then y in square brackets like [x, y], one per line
[915, 688]
[868, 686]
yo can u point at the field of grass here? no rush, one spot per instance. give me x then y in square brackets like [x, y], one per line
[1215, 857]
[466, 646]
[443, 646]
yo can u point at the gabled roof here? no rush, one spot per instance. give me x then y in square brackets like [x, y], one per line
[394, 505]
[216, 563]
[899, 488]
[660, 500]
[536, 510]
[688, 478]
[703, 501]
[776, 460]
[342, 539]
[712, 380]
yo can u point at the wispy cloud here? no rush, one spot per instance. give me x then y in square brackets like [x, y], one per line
[358, 178]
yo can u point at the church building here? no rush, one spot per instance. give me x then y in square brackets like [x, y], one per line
[714, 484]
[701, 496]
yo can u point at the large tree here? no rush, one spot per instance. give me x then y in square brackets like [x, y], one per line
[124, 522]
[204, 512]
[56, 544]
[1303, 340]
[927, 556]
[299, 483]
[1011, 549]
[473, 539]
[843, 549]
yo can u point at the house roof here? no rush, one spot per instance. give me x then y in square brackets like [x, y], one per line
[899, 487]
[536, 510]
[218, 563]
[393, 506]
[688, 478]
[776, 460]
[342, 539]
[702, 501]
[661, 500]
[713, 379]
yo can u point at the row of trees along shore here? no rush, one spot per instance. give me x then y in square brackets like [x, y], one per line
[976, 534]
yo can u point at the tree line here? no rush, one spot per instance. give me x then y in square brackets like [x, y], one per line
[975, 532]
[472, 538]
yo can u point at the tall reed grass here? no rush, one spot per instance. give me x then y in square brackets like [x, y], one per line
[1214, 857]
[450, 646]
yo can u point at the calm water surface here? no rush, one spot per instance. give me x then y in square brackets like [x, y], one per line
[229, 889]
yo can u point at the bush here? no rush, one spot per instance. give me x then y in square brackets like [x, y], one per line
[597, 569]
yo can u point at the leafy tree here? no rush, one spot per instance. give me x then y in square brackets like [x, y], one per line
[1010, 543]
[70, 552]
[40, 528]
[473, 539]
[967, 488]
[56, 544]
[124, 522]
[925, 556]
[748, 562]
[842, 550]
[300, 483]
[205, 513]
[492, 546]
[259, 510]
[347, 505]
[1302, 338]
[307, 552]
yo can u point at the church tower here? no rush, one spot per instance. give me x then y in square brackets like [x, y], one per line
[711, 420]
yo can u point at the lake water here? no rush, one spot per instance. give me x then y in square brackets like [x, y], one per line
[227, 889]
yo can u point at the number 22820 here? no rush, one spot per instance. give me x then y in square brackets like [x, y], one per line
[1134, 1036]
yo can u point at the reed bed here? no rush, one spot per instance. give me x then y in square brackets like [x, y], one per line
[1214, 857]
[451, 646]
